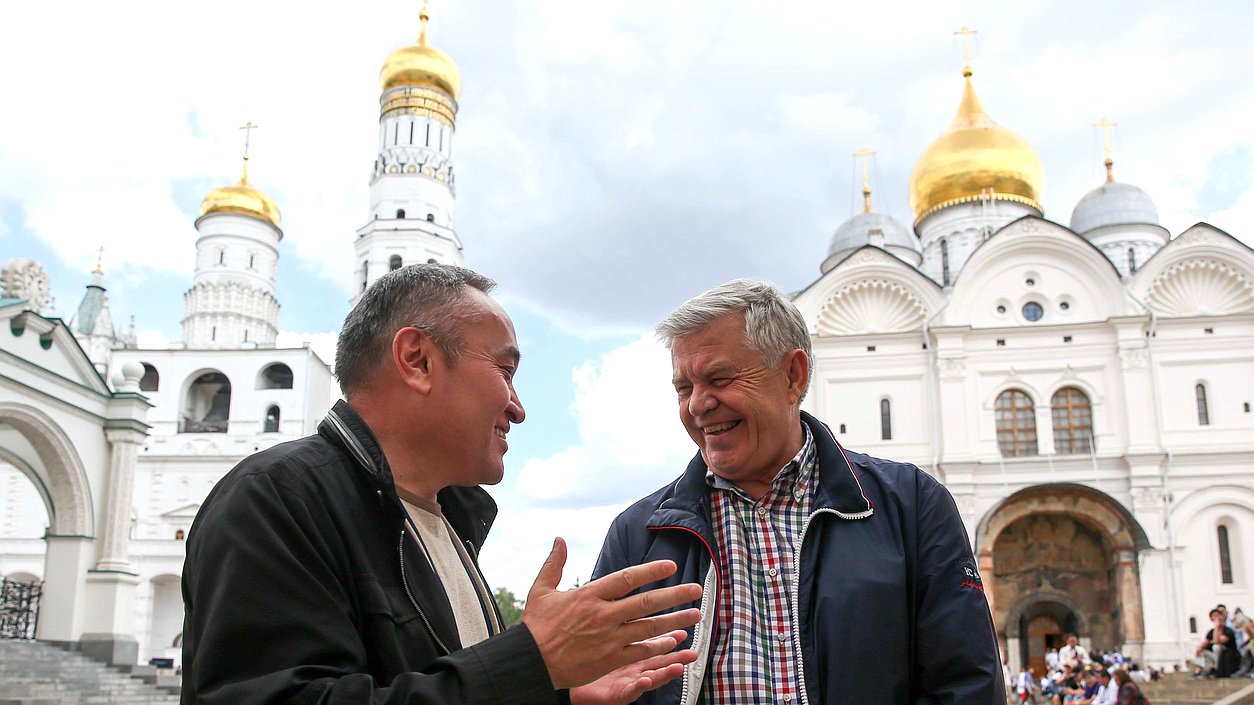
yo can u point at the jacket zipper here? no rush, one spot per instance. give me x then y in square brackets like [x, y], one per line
[400, 551]
[796, 599]
[705, 595]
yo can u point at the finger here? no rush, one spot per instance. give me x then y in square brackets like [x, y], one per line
[617, 584]
[668, 659]
[551, 572]
[648, 628]
[654, 601]
[662, 676]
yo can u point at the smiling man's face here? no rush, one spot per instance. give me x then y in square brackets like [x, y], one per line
[740, 412]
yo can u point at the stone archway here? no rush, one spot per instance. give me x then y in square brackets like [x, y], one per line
[1039, 621]
[1056, 550]
[65, 480]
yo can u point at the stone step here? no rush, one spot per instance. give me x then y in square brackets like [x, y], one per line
[34, 673]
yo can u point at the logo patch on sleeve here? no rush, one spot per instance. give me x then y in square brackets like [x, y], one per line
[971, 577]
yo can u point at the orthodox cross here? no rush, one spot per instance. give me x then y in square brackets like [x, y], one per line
[1106, 124]
[966, 33]
[248, 128]
[866, 155]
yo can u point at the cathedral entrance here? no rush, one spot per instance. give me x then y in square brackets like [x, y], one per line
[1059, 559]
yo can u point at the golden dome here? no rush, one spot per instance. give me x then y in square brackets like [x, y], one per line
[241, 198]
[421, 64]
[976, 155]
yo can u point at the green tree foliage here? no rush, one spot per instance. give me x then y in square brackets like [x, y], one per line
[510, 606]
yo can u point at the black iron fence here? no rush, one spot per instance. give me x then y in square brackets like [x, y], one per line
[19, 609]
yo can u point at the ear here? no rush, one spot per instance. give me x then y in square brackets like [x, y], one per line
[797, 371]
[416, 358]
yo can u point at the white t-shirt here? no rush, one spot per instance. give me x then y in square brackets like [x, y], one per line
[443, 548]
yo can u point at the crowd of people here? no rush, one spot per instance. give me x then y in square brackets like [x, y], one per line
[1075, 677]
[1225, 651]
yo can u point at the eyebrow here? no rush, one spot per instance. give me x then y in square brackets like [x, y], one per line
[513, 353]
[711, 371]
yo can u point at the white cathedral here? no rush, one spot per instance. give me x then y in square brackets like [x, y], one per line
[1084, 389]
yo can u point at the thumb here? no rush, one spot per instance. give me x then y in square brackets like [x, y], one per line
[551, 572]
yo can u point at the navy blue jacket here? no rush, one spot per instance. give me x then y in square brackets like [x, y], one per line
[890, 602]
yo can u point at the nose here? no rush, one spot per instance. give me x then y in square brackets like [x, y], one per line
[515, 410]
[701, 401]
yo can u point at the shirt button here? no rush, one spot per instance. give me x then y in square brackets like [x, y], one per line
[761, 511]
[772, 572]
[782, 636]
[787, 698]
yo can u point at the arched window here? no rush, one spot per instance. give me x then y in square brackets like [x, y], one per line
[1132, 260]
[400, 213]
[394, 262]
[207, 407]
[365, 274]
[1073, 421]
[272, 420]
[1225, 556]
[275, 376]
[151, 379]
[1016, 423]
[431, 217]
[945, 262]
[179, 534]
[886, 420]
[1203, 410]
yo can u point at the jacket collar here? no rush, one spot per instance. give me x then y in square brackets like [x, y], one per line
[471, 510]
[839, 488]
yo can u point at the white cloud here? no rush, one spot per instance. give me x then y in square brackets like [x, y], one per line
[630, 444]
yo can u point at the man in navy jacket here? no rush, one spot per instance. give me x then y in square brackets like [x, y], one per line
[829, 576]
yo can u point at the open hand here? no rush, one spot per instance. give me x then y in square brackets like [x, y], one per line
[588, 632]
[628, 683]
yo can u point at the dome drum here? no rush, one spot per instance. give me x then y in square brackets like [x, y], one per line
[878, 229]
[418, 100]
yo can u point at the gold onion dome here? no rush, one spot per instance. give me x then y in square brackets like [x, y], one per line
[421, 65]
[241, 198]
[975, 156]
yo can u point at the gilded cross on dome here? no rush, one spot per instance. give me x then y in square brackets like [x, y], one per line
[1106, 124]
[99, 260]
[248, 128]
[966, 33]
[866, 155]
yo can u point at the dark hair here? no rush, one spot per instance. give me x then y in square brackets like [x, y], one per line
[430, 296]
[1214, 612]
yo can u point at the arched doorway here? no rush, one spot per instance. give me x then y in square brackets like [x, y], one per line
[1060, 558]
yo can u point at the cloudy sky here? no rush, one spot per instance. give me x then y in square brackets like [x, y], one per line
[613, 158]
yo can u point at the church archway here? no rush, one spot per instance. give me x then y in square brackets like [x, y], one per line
[56, 470]
[1058, 558]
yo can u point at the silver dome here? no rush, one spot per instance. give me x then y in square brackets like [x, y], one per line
[868, 229]
[1113, 204]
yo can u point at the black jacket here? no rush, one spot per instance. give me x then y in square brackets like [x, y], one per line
[301, 585]
[891, 605]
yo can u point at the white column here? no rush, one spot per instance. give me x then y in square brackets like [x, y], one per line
[61, 606]
[112, 546]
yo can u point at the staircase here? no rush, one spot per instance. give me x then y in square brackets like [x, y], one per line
[34, 673]
[1177, 689]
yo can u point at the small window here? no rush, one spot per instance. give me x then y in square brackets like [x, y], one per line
[276, 376]
[1064, 306]
[945, 262]
[1193, 625]
[1001, 309]
[400, 213]
[221, 256]
[886, 420]
[1030, 281]
[870, 348]
[1225, 556]
[394, 263]
[1208, 331]
[842, 428]
[252, 259]
[1001, 342]
[1132, 260]
[1073, 421]
[1033, 311]
[1016, 423]
[431, 217]
[179, 535]
[1246, 405]
[1066, 339]
[365, 274]
[151, 380]
[1203, 410]
[272, 420]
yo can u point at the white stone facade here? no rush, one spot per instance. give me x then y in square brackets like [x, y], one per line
[910, 370]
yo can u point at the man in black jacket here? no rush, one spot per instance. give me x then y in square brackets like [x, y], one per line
[829, 577]
[343, 567]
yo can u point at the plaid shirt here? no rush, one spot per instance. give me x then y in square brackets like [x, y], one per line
[755, 660]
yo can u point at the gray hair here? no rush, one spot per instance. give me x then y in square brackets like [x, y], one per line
[773, 325]
[430, 296]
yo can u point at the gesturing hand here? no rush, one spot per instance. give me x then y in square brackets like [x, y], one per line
[588, 632]
[628, 683]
